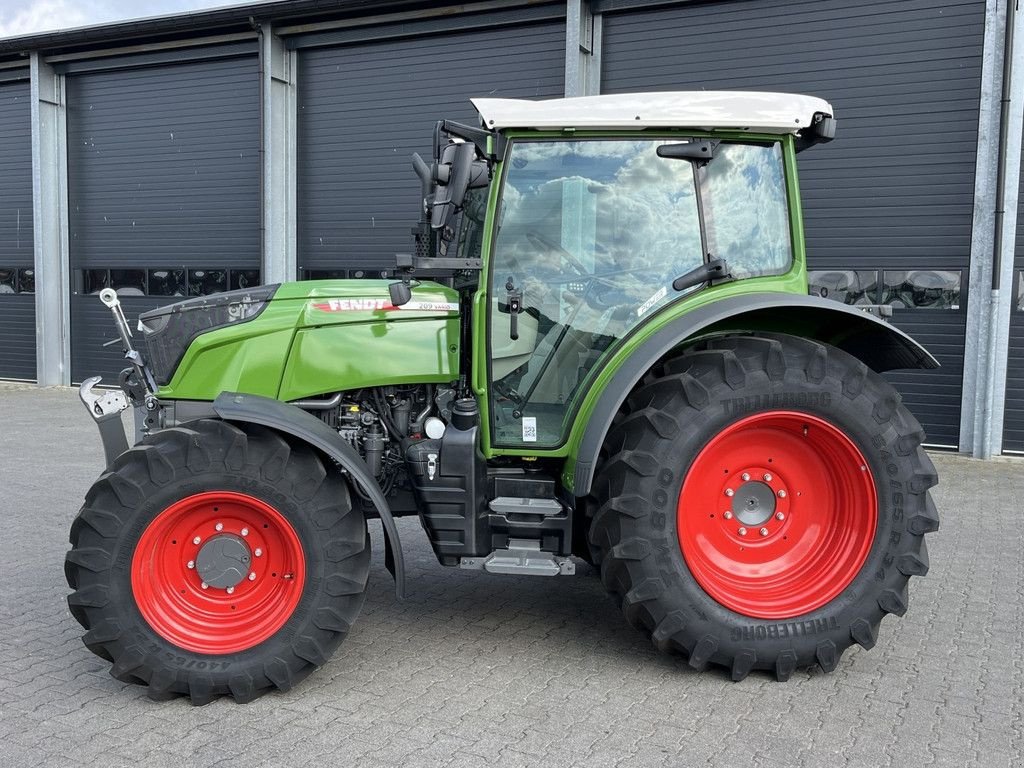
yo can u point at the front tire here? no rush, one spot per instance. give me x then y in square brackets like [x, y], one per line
[762, 504]
[211, 560]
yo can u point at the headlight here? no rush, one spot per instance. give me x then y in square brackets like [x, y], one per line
[169, 330]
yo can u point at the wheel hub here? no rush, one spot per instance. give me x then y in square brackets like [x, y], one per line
[223, 561]
[754, 503]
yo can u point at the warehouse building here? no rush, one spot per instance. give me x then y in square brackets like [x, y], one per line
[183, 155]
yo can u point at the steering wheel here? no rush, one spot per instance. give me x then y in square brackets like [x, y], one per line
[541, 241]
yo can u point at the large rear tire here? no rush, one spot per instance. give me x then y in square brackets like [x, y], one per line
[211, 560]
[762, 504]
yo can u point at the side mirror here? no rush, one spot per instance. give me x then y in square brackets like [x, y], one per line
[400, 293]
[454, 172]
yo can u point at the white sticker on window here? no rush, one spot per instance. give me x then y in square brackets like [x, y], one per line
[529, 429]
[660, 294]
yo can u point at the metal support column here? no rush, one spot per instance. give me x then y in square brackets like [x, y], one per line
[582, 49]
[991, 290]
[278, 104]
[50, 212]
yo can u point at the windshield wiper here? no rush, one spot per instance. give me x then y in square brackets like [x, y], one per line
[716, 269]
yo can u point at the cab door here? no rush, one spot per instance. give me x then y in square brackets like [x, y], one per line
[591, 233]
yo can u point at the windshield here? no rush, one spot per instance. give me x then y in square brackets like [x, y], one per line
[592, 233]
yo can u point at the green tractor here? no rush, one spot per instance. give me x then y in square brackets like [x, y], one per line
[602, 347]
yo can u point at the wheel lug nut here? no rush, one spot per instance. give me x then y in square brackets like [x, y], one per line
[767, 477]
[729, 492]
[745, 476]
[252, 577]
[245, 531]
[258, 552]
[196, 540]
[219, 527]
[204, 585]
[191, 564]
[764, 531]
[727, 515]
[231, 590]
[782, 493]
[779, 516]
[742, 531]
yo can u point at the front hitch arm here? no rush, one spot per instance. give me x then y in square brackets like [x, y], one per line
[109, 298]
[105, 407]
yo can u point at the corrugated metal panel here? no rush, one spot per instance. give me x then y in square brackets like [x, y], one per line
[934, 396]
[1013, 419]
[163, 166]
[17, 311]
[365, 108]
[895, 190]
[163, 171]
[18, 337]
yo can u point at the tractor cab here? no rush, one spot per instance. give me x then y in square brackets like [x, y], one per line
[604, 212]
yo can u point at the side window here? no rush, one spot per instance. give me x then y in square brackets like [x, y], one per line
[744, 193]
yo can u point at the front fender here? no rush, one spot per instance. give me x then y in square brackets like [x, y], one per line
[255, 409]
[877, 344]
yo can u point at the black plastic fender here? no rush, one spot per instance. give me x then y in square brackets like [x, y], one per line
[283, 417]
[880, 346]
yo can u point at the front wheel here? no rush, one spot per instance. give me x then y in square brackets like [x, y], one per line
[211, 560]
[762, 504]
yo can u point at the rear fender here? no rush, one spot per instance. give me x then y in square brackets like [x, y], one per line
[267, 412]
[880, 346]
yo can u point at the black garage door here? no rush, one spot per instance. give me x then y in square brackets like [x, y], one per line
[1013, 419]
[365, 108]
[17, 283]
[889, 204]
[163, 176]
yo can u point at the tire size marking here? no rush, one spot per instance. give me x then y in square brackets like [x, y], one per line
[788, 629]
[777, 401]
[183, 662]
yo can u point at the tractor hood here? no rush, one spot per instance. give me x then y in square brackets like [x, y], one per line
[302, 339]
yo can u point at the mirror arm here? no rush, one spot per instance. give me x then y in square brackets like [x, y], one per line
[478, 137]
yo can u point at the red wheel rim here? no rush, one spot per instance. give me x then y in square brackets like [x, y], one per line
[777, 514]
[169, 588]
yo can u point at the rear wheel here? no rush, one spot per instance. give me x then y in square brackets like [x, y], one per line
[762, 504]
[211, 560]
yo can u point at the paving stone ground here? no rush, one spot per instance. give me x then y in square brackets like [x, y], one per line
[481, 670]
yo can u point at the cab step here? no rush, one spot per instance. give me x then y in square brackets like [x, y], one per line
[523, 557]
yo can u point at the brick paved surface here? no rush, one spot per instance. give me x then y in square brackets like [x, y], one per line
[475, 669]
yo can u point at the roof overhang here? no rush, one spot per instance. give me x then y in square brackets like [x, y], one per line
[704, 110]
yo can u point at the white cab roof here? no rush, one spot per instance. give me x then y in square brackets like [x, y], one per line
[744, 110]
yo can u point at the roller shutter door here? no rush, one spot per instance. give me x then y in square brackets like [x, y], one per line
[888, 205]
[1013, 419]
[164, 192]
[364, 108]
[17, 302]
